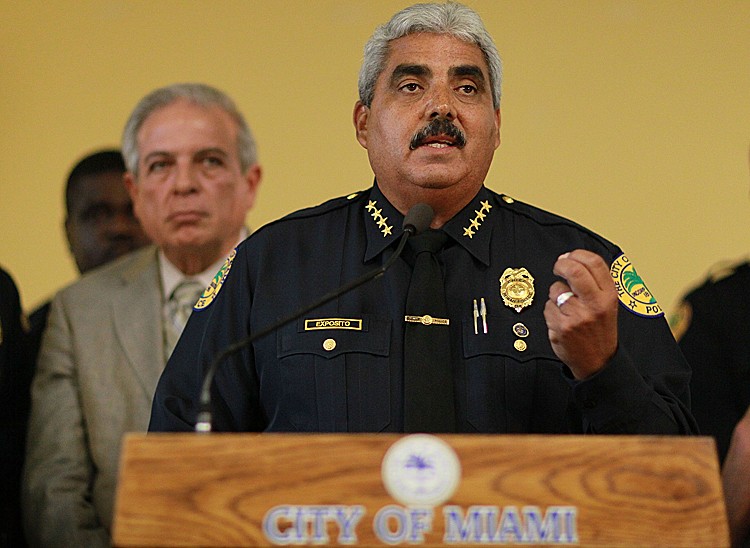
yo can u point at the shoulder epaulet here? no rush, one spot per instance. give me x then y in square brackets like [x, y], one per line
[548, 218]
[733, 270]
[724, 269]
[325, 207]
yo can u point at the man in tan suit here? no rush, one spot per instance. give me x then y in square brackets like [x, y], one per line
[193, 176]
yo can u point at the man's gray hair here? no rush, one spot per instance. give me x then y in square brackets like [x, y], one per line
[451, 18]
[199, 94]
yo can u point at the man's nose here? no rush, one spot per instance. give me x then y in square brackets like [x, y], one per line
[440, 104]
[186, 179]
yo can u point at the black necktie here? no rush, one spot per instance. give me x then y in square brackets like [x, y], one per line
[428, 378]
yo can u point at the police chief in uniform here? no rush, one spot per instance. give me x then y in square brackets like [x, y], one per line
[541, 339]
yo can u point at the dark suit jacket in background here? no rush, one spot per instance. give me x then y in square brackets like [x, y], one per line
[15, 377]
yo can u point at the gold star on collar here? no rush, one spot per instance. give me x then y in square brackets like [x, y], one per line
[377, 216]
[476, 222]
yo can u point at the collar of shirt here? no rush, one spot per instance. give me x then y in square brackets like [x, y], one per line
[171, 276]
[469, 227]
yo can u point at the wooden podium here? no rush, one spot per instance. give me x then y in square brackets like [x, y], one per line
[328, 489]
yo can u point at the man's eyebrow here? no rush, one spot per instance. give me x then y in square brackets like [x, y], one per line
[472, 71]
[201, 152]
[211, 150]
[409, 70]
[155, 154]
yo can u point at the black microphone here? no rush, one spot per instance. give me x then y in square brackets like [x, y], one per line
[417, 220]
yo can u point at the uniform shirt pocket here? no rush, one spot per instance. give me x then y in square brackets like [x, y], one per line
[506, 369]
[335, 373]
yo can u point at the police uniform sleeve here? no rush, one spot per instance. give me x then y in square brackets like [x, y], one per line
[220, 318]
[174, 406]
[644, 387]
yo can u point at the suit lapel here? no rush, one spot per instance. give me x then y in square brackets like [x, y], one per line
[137, 319]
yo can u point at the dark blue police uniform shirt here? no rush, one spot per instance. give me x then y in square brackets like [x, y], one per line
[339, 368]
[716, 346]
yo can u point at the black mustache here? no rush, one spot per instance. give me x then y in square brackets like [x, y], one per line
[438, 126]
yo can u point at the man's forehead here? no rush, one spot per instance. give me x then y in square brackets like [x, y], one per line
[180, 116]
[99, 187]
[99, 183]
[193, 130]
[418, 50]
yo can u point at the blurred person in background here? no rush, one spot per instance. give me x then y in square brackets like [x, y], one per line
[99, 222]
[15, 371]
[192, 175]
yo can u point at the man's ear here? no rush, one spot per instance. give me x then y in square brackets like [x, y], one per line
[252, 178]
[361, 115]
[497, 128]
[68, 225]
[131, 185]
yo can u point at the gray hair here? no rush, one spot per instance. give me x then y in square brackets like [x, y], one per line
[450, 18]
[199, 94]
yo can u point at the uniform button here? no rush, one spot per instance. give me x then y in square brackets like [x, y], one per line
[519, 345]
[508, 199]
[329, 344]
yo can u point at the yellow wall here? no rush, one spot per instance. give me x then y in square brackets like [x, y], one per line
[630, 116]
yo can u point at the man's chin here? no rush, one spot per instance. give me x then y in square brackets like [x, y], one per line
[437, 181]
[437, 184]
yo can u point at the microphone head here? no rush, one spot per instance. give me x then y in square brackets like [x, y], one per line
[418, 218]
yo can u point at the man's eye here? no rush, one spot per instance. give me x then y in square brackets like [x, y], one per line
[411, 86]
[156, 166]
[468, 89]
[96, 213]
[212, 161]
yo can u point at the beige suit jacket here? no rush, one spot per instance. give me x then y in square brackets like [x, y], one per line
[100, 360]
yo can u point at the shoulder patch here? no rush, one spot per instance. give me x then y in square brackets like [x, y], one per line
[680, 320]
[632, 291]
[213, 288]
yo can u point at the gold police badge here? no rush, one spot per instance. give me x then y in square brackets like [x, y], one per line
[517, 288]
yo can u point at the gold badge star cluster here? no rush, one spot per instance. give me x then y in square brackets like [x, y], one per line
[476, 222]
[377, 216]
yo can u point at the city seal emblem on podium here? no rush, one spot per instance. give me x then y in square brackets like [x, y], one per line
[421, 470]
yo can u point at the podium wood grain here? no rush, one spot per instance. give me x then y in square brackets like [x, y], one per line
[213, 490]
